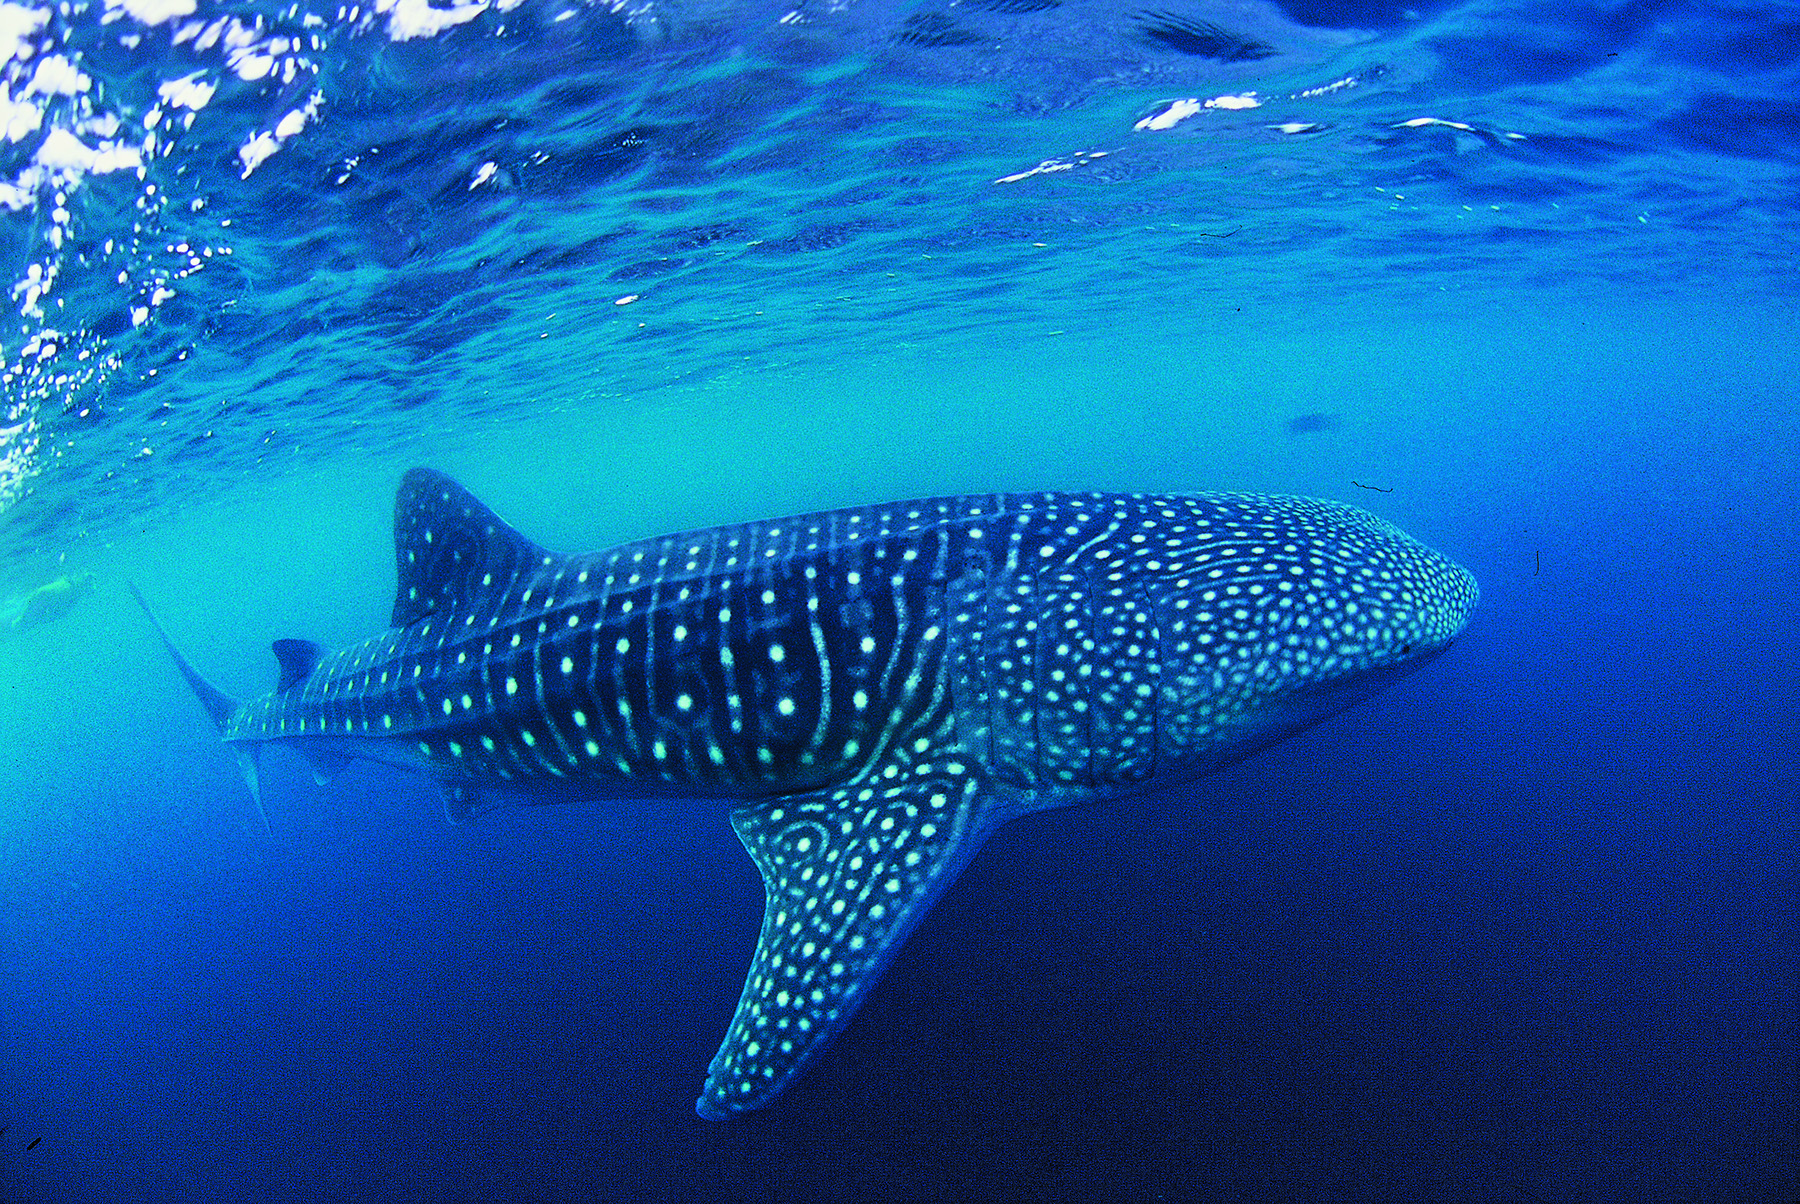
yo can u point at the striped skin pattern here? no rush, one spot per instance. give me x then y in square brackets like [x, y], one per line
[876, 689]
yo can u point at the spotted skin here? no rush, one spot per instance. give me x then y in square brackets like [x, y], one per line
[876, 689]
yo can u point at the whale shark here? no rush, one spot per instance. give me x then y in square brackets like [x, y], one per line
[872, 691]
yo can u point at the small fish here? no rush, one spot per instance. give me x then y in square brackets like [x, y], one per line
[1309, 424]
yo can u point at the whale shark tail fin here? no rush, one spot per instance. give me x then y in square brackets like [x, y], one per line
[219, 705]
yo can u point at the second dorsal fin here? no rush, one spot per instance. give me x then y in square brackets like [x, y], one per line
[449, 547]
[297, 659]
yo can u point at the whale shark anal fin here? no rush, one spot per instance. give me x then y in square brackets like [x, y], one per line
[326, 763]
[847, 875]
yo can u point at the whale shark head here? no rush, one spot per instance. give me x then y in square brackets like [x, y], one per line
[1343, 605]
[1363, 603]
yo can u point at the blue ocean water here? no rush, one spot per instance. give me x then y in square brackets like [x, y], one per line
[1519, 277]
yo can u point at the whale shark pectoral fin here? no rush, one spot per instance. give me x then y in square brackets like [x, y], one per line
[847, 875]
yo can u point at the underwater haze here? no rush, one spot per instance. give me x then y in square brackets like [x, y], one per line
[1517, 277]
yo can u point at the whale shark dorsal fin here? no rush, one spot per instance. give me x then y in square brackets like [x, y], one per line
[297, 659]
[847, 875]
[449, 547]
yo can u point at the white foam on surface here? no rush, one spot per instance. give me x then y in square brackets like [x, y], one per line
[153, 12]
[408, 19]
